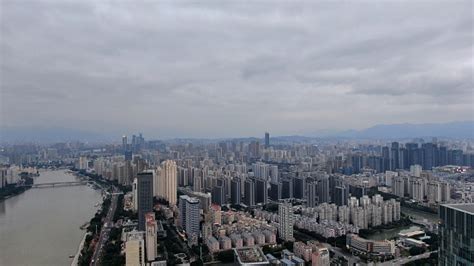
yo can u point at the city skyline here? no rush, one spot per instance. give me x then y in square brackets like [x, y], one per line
[177, 69]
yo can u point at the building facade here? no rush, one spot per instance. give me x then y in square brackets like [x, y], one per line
[456, 234]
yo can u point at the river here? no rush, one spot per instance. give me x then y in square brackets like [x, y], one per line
[391, 233]
[41, 225]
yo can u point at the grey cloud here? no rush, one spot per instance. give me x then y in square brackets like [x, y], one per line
[233, 68]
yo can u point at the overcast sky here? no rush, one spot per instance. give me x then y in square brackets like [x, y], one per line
[234, 68]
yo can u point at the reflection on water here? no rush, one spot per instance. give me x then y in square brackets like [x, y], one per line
[41, 226]
[420, 215]
[392, 233]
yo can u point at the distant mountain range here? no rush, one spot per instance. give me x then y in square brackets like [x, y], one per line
[49, 135]
[464, 129]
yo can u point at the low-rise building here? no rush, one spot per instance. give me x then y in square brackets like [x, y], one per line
[250, 256]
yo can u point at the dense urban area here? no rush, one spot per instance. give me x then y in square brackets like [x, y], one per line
[269, 201]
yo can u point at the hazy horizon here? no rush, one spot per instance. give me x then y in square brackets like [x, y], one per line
[236, 68]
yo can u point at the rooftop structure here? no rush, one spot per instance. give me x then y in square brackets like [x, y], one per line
[250, 256]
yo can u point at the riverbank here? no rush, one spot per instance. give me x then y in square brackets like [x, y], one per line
[23, 185]
[75, 261]
[11, 191]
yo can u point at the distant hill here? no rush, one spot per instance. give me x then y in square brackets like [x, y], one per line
[464, 129]
[48, 135]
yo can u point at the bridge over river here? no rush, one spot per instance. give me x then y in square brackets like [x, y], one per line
[60, 184]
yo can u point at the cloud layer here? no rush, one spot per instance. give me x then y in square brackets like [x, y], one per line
[234, 68]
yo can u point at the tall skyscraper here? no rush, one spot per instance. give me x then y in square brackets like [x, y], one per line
[275, 191]
[341, 194]
[286, 189]
[145, 197]
[249, 193]
[124, 143]
[267, 139]
[168, 183]
[312, 194]
[135, 194]
[261, 191]
[323, 189]
[235, 191]
[189, 217]
[428, 155]
[299, 187]
[285, 213]
[217, 195]
[394, 156]
[150, 237]
[456, 233]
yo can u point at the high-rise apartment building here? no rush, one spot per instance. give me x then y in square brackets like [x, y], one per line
[189, 217]
[299, 187]
[168, 182]
[398, 186]
[150, 236]
[235, 191]
[286, 216]
[341, 194]
[135, 249]
[249, 193]
[217, 195]
[144, 196]
[323, 189]
[312, 194]
[456, 233]
[261, 191]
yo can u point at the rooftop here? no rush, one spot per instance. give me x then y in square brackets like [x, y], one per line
[250, 255]
[465, 207]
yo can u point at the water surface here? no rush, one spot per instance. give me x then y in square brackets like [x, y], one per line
[41, 225]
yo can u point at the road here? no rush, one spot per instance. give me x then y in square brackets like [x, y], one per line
[404, 260]
[105, 232]
[351, 259]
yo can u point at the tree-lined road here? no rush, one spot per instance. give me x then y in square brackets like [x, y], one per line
[105, 232]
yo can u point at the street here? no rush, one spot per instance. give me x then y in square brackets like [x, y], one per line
[404, 260]
[105, 232]
[351, 259]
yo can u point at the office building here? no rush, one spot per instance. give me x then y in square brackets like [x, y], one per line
[124, 143]
[145, 197]
[456, 233]
[267, 139]
[286, 221]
